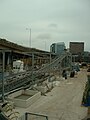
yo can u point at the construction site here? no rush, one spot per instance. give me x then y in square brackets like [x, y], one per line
[32, 86]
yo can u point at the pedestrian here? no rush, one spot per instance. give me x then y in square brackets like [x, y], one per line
[64, 74]
[86, 97]
[72, 74]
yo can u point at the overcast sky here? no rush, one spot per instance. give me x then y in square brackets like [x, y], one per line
[50, 21]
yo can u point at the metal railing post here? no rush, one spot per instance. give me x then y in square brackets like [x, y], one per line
[3, 52]
[32, 67]
[49, 67]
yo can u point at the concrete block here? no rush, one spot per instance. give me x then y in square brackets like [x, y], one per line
[42, 89]
[56, 83]
[25, 98]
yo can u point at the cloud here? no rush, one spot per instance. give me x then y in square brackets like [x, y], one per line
[50, 20]
[44, 36]
[1, 1]
[53, 25]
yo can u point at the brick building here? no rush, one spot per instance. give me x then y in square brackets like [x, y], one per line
[76, 48]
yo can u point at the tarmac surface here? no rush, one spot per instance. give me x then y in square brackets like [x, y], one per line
[63, 102]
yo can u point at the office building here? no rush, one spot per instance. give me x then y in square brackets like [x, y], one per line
[57, 48]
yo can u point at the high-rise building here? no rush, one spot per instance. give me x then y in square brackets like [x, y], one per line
[57, 48]
[76, 48]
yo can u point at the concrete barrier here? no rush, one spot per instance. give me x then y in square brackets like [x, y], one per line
[24, 98]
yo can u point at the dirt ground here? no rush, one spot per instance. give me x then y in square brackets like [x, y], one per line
[64, 100]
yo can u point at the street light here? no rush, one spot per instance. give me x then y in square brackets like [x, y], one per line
[29, 36]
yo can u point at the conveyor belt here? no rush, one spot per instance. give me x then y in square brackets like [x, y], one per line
[25, 78]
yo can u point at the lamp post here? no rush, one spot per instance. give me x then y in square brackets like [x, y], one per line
[29, 36]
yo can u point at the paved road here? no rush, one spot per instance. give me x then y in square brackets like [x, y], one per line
[64, 101]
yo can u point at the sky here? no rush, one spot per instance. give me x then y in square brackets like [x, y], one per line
[50, 21]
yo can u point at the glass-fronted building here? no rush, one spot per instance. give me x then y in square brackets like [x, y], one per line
[57, 48]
